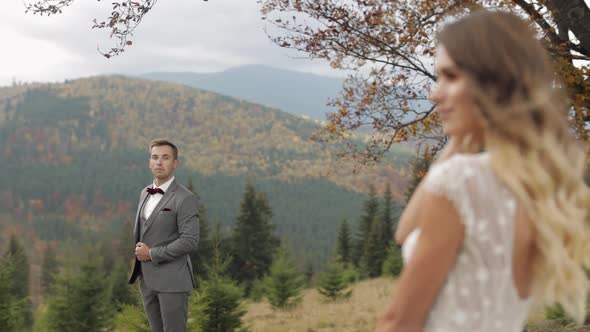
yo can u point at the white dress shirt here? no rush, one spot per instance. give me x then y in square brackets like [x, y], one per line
[154, 199]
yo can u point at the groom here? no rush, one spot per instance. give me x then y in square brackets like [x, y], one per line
[166, 231]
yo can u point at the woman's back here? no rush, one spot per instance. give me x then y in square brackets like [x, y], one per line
[480, 292]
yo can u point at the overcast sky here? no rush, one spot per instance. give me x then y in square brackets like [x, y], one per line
[177, 35]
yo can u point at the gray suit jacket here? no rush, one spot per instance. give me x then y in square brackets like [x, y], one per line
[172, 233]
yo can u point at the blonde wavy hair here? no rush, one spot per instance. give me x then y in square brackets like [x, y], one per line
[532, 149]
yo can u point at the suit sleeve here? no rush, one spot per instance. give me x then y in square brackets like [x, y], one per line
[188, 229]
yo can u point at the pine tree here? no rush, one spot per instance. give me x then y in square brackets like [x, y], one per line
[285, 282]
[394, 262]
[49, 269]
[222, 310]
[253, 241]
[201, 258]
[124, 251]
[20, 277]
[41, 323]
[364, 231]
[125, 298]
[375, 252]
[81, 298]
[420, 166]
[131, 318]
[380, 238]
[11, 311]
[332, 282]
[108, 256]
[123, 294]
[216, 307]
[344, 243]
[386, 218]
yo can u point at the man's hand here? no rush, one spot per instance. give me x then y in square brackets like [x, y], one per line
[142, 252]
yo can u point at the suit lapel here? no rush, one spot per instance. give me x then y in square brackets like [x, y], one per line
[167, 195]
[142, 200]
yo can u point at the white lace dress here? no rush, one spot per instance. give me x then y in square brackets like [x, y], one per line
[479, 293]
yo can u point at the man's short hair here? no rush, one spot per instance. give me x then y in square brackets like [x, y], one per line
[161, 142]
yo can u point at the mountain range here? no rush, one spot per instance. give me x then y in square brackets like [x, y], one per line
[290, 91]
[76, 156]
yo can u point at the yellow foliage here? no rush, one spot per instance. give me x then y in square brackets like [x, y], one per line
[215, 134]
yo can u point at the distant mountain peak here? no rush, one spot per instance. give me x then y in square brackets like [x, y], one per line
[295, 92]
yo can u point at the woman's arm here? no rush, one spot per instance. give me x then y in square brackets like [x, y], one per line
[441, 236]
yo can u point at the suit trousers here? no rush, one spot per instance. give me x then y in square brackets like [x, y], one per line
[166, 312]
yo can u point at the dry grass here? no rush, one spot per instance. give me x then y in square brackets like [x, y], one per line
[314, 314]
[356, 314]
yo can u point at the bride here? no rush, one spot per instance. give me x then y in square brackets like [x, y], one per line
[501, 220]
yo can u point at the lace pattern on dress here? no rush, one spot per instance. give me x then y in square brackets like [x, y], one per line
[479, 293]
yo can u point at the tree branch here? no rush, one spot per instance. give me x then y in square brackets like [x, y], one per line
[540, 20]
[575, 16]
[124, 19]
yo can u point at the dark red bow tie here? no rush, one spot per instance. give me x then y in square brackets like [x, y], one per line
[152, 191]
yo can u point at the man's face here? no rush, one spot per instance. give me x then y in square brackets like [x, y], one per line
[162, 162]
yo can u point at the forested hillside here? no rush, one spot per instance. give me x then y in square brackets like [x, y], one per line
[76, 156]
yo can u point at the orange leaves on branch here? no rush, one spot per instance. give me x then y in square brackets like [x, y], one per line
[401, 136]
[331, 128]
[391, 40]
[343, 111]
[388, 48]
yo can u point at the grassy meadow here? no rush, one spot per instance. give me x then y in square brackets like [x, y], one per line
[315, 313]
[356, 314]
